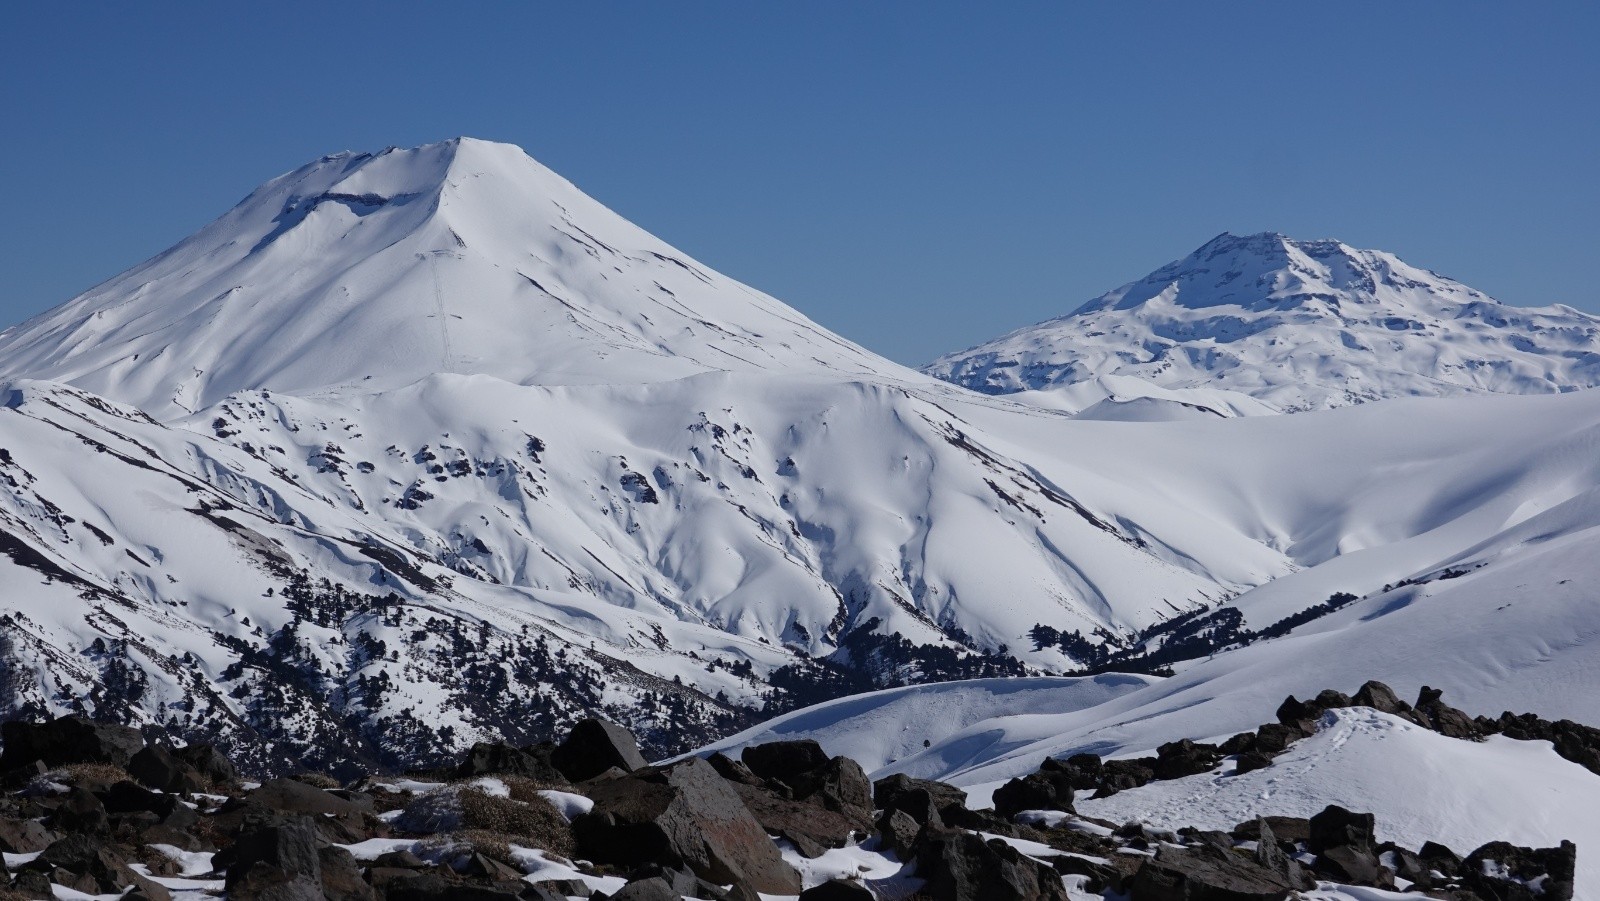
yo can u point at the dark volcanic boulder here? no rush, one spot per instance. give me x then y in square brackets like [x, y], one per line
[1336, 827]
[1250, 761]
[921, 799]
[1177, 759]
[1205, 872]
[898, 831]
[1381, 698]
[80, 811]
[208, 762]
[24, 836]
[595, 746]
[1285, 829]
[1043, 790]
[1353, 866]
[810, 827]
[839, 785]
[341, 876]
[1573, 741]
[1435, 714]
[274, 858]
[1121, 775]
[158, 768]
[1501, 870]
[1274, 858]
[1274, 738]
[682, 815]
[785, 761]
[501, 759]
[93, 859]
[1083, 769]
[68, 740]
[961, 866]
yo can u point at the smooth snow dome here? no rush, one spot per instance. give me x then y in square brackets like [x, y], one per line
[1296, 324]
[374, 270]
[1420, 786]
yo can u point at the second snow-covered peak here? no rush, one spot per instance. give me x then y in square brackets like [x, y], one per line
[1297, 324]
[375, 270]
[1270, 271]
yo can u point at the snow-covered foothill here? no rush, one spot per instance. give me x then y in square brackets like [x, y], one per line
[1419, 785]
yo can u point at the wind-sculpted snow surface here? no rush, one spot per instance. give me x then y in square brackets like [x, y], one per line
[1299, 325]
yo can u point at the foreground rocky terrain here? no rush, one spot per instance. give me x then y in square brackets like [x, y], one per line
[95, 809]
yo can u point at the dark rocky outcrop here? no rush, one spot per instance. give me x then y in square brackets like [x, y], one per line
[160, 769]
[683, 815]
[1204, 872]
[1505, 872]
[1044, 790]
[921, 799]
[501, 759]
[595, 746]
[67, 740]
[963, 866]
[700, 828]
[275, 858]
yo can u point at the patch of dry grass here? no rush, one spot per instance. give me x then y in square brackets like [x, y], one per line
[319, 780]
[534, 823]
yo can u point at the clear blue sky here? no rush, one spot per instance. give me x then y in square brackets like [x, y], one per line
[917, 176]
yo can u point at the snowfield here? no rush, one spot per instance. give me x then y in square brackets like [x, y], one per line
[879, 729]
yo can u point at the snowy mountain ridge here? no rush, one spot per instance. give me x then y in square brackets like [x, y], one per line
[1299, 325]
[430, 431]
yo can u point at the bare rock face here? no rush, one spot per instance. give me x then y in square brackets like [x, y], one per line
[158, 768]
[97, 865]
[683, 815]
[962, 866]
[595, 746]
[1044, 790]
[274, 858]
[784, 761]
[921, 799]
[1206, 872]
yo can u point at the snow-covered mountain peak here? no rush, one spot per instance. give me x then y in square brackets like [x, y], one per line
[1271, 271]
[375, 270]
[1298, 324]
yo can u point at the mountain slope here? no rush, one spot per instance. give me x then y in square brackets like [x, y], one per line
[375, 270]
[1298, 324]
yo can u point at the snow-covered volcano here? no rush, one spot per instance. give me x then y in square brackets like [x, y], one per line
[431, 431]
[1298, 324]
[375, 270]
